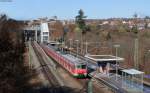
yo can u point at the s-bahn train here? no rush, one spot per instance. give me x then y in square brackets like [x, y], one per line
[75, 66]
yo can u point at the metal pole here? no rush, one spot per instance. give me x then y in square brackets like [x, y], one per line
[77, 47]
[116, 46]
[125, 80]
[70, 45]
[90, 90]
[116, 63]
[61, 47]
[122, 79]
[146, 58]
[36, 35]
[29, 54]
[29, 58]
[142, 82]
[86, 47]
[136, 63]
[108, 68]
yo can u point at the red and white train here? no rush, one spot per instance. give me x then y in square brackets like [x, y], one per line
[74, 65]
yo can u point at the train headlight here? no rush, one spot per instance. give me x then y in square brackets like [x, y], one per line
[85, 74]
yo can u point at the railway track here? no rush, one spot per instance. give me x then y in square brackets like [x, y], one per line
[54, 86]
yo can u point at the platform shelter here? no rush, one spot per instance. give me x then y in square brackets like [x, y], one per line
[104, 61]
[132, 80]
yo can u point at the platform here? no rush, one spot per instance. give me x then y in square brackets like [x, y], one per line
[111, 82]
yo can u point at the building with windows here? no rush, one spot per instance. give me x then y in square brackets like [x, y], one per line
[44, 36]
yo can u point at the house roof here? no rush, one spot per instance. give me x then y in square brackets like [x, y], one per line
[102, 58]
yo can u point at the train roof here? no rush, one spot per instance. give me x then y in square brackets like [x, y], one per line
[132, 71]
[74, 59]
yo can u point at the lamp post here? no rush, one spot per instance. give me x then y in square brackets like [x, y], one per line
[136, 52]
[62, 46]
[116, 46]
[70, 45]
[77, 47]
[146, 53]
[86, 48]
[90, 89]
[146, 59]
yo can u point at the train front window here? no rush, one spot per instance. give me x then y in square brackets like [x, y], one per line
[81, 66]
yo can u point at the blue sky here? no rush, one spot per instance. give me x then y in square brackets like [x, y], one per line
[68, 9]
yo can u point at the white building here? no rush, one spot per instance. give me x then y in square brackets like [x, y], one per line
[105, 22]
[148, 25]
[44, 33]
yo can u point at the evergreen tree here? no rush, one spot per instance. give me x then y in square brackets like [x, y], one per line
[80, 21]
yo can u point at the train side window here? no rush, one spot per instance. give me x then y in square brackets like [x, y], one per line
[78, 66]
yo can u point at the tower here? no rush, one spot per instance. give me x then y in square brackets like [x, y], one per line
[44, 33]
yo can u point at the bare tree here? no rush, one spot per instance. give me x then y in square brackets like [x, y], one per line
[13, 75]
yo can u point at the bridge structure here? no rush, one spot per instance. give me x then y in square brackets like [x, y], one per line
[38, 32]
